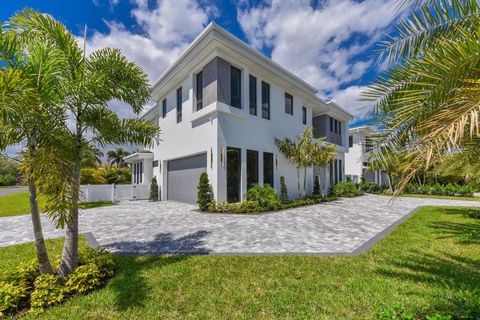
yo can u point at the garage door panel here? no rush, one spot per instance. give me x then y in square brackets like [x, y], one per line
[183, 176]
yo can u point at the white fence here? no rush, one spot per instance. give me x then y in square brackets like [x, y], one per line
[114, 193]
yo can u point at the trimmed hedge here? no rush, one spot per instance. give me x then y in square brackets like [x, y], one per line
[24, 288]
[440, 190]
[346, 189]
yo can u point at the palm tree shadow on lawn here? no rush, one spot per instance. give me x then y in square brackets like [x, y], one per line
[135, 259]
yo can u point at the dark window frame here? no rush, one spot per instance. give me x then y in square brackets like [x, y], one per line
[272, 171]
[252, 177]
[253, 95]
[235, 100]
[331, 124]
[164, 108]
[339, 127]
[179, 104]
[199, 87]
[304, 115]
[350, 141]
[288, 103]
[266, 101]
[336, 126]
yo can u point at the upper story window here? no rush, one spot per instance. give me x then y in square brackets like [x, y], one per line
[253, 95]
[265, 100]
[335, 126]
[164, 108]
[288, 103]
[199, 84]
[235, 87]
[331, 124]
[350, 141]
[304, 115]
[179, 104]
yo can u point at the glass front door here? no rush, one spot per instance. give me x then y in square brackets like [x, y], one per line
[233, 174]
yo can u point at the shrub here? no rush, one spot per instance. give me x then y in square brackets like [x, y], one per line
[372, 188]
[283, 191]
[153, 190]
[84, 279]
[346, 189]
[474, 214]
[47, 292]
[12, 297]
[266, 196]
[316, 186]
[204, 194]
[440, 190]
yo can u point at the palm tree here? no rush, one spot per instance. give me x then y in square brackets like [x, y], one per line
[89, 83]
[321, 154]
[92, 156]
[428, 99]
[305, 153]
[30, 74]
[116, 157]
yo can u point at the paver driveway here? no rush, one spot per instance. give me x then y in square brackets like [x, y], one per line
[346, 226]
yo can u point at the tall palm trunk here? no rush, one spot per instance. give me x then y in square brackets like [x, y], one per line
[298, 182]
[304, 181]
[70, 246]
[321, 181]
[42, 254]
[390, 185]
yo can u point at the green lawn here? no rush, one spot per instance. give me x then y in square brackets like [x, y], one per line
[18, 204]
[421, 265]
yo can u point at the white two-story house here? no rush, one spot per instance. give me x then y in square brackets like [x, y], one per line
[357, 160]
[220, 107]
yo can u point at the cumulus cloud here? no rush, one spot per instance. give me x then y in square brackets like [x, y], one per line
[322, 44]
[167, 28]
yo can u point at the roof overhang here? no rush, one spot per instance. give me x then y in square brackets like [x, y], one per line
[138, 156]
[364, 130]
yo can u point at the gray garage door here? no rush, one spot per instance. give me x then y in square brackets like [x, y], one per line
[183, 175]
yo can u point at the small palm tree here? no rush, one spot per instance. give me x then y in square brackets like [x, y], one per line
[292, 152]
[88, 84]
[115, 157]
[92, 156]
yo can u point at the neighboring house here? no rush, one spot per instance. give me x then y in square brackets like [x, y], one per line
[356, 160]
[220, 106]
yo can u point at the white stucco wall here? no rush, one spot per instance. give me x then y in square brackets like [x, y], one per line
[354, 157]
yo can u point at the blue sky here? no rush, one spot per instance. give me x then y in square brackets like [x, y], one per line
[331, 44]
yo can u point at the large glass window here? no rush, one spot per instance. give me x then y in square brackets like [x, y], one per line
[233, 174]
[235, 87]
[265, 100]
[179, 104]
[304, 115]
[199, 90]
[252, 168]
[268, 169]
[288, 103]
[340, 170]
[164, 108]
[253, 95]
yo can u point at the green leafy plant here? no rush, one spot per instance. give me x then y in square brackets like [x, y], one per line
[266, 196]
[346, 189]
[283, 191]
[204, 194]
[84, 279]
[153, 190]
[47, 291]
[371, 187]
[12, 297]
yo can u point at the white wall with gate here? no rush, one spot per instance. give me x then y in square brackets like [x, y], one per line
[114, 192]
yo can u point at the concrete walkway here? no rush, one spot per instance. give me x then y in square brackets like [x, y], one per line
[343, 227]
[11, 190]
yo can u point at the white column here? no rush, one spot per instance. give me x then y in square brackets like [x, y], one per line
[245, 89]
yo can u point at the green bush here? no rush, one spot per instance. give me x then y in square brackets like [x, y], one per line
[12, 297]
[204, 194]
[283, 191]
[372, 188]
[47, 291]
[153, 190]
[440, 190]
[266, 196]
[24, 286]
[346, 189]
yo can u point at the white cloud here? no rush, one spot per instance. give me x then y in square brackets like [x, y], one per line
[349, 99]
[168, 29]
[321, 44]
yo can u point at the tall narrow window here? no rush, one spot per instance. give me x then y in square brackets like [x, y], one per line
[199, 90]
[304, 115]
[265, 100]
[234, 174]
[164, 108]
[288, 103]
[336, 171]
[340, 127]
[252, 168]
[340, 170]
[268, 169]
[350, 141]
[331, 124]
[336, 126]
[253, 95]
[235, 87]
[179, 104]
[141, 172]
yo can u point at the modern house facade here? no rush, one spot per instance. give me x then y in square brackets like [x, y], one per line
[357, 160]
[220, 107]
